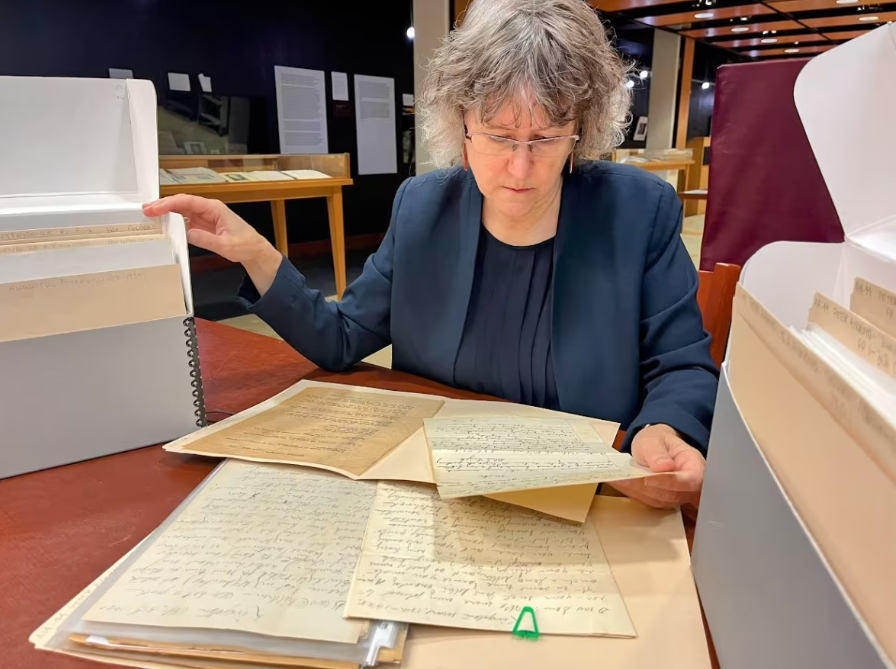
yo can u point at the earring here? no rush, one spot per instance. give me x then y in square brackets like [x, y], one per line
[572, 161]
[466, 162]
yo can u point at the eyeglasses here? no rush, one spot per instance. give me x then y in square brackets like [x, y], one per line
[494, 145]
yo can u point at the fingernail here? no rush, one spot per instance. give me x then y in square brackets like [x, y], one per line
[663, 460]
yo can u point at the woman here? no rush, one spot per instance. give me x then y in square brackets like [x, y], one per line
[522, 271]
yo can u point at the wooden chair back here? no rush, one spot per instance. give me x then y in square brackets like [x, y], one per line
[715, 295]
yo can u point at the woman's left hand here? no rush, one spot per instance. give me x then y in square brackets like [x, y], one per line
[661, 449]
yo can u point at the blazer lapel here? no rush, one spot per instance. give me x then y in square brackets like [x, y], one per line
[458, 299]
[565, 284]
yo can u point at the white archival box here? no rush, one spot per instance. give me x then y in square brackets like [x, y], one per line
[84, 152]
[770, 596]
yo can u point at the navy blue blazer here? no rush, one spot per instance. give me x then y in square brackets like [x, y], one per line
[627, 340]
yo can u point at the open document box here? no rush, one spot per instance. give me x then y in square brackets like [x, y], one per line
[97, 341]
[796, 540]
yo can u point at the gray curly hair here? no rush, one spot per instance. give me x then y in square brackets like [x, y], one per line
[557, 51]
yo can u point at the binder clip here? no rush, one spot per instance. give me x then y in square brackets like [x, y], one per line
[526, 634]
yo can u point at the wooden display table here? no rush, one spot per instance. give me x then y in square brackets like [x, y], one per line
[658, 160]
[336, 166]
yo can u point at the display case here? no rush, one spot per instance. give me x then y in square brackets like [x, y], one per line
[669, 164]
[267, 177]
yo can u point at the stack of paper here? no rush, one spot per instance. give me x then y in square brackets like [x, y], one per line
[254, 567]
[291, 565]
[191, 176]
[257, 175]
[819, 402]
[272, 565]
[306, 174]
[373, 434]
[75, 278]
[859, 343]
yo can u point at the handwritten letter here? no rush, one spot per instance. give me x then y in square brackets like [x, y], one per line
[343, 430]
[481, 456]
[262, 548]
[475, 563]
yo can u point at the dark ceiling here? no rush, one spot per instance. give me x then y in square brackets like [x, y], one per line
[754, 30]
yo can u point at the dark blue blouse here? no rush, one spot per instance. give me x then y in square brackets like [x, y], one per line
[506, 346]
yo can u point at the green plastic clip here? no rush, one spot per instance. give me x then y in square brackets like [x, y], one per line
[526, 634]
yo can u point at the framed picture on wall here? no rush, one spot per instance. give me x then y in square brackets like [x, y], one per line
[641, 129]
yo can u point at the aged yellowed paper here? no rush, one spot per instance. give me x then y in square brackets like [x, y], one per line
[262, 548]
[410, 460]
[80, 232]
[475, 563]
[65, 304]
[875, 304]
[31, 247]
[856, 333]
[346, 431]
[480, 456]
[648, 553]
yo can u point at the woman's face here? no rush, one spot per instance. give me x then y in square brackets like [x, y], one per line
[515, 184]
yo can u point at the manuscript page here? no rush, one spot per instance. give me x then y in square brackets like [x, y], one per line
[476, 563]
[261, 548]
[480, 456]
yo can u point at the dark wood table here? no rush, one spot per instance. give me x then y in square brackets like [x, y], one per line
[61, 528]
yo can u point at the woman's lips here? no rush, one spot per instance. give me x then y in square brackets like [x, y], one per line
[518, 191]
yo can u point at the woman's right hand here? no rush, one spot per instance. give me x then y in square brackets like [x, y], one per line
[214, 227]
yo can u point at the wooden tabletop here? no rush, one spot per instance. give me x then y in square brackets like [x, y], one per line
[697, 194]
[661, 165]
[61, 528]
[254, 191]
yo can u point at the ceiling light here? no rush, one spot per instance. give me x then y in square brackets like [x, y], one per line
[847, 2]
[704, 15]
[765, 32]
[791, 50]
[705, 85]
[774, 32]
[771, 40]
[869, 18]
[796, 42]
[740, 29]
[644, 74]
[629, 84]
[411, 32]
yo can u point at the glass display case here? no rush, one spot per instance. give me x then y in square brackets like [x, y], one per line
[253, 168]
[267, 177]
[199, 123]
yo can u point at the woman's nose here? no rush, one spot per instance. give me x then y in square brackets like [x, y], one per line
[520, 161]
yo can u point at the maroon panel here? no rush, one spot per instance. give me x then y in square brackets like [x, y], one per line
[765, 185]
